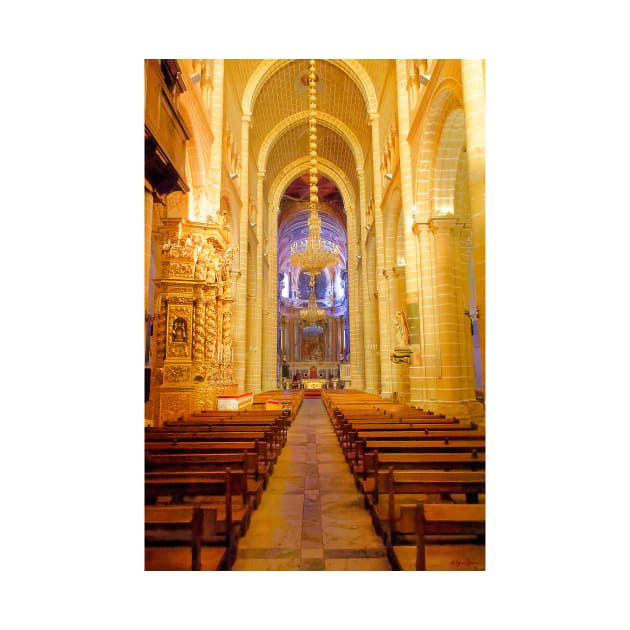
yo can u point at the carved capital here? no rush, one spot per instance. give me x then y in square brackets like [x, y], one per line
[442, 224]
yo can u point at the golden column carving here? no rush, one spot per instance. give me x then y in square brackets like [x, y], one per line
[159, 333]
[227, 330]
[211, 324]
[199, 325]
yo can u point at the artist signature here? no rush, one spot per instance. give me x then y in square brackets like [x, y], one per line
[466, 563]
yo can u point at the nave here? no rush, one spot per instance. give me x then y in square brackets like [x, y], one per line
[311, 517]
[349, 481]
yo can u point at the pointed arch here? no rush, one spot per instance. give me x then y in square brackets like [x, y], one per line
[301, 166]
[446, 100]
[325, 120]
[268, 67]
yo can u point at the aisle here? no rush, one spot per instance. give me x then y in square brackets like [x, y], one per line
[311, 517]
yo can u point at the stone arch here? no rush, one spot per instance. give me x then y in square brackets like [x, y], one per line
[392, 210]
[323, 119]
[194, 153]
[444, 102]
[230, 217]
[301, 166]
[268, 67]
[451, 143]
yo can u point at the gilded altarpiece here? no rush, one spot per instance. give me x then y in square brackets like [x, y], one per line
[192, 342]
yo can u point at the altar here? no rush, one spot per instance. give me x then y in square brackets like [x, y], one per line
[314, 383]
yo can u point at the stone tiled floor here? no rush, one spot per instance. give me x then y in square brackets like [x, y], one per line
[311, 517]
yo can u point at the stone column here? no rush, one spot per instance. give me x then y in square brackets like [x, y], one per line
[385, 322]
[255, 305]
[388, 304]
[423, 373]
[270, 310]
[207, 85]
[473, 86]
[240, 324]
[401, 370]
[451, 382]
[466, 347]
[354, 289]
[366, 311]
[215, 99]
[413, 83]
[407, 90]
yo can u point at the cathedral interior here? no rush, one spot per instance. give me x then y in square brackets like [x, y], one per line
[318, 222]
[314, 314]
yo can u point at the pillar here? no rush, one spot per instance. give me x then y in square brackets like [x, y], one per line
[451, 370]
[473, 87]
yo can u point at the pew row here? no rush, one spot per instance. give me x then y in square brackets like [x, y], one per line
[256, 478]
[448, 537]
[226, 491]
[366, 467]
[395, 488]
[183, 538]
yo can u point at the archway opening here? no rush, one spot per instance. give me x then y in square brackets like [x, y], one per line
[311, 351]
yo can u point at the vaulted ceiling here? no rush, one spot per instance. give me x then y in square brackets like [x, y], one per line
[280, 106]
[275, 93]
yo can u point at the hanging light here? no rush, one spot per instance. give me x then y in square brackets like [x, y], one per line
[312, 315]
[317, 254]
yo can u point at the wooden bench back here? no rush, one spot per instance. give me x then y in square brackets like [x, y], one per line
[196, 524]
[446, 520]
[414, 434]
[393, 481]
[399, 425]
[176, 485]
[200, 447]
[425, 446]
[182, 462]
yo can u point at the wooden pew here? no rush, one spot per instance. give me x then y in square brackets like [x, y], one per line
[208, 435]
[414, 434]
[277, 426]
[400, 425]
[273, 437]
[394, 488]
[226, 491]
[346, 431]
[367, 421]
[366, 468]
[200, 425]
[264, 455]
[425, 446]
[235, 415]
[183, 538]
[350, 435]
[448, 537]
[210, 462]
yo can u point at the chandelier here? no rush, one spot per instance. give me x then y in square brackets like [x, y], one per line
[317, 254]
[312, 314]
